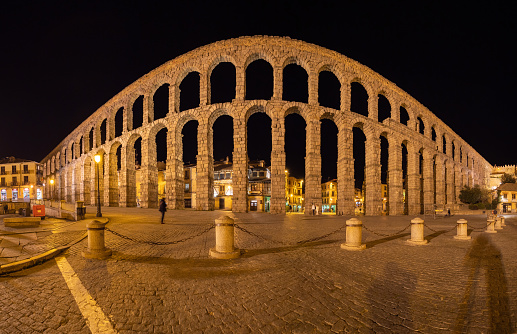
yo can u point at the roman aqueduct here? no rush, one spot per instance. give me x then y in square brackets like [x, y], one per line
[438, 162]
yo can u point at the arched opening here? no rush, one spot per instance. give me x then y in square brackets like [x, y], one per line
[329, 153]
[119, 117]
[329, 90]
[359, 154]
[405, 182]
[223, 138]
[189, 91]
[453, 153]
[420, 125]
[404, 116]
[384, 108]
[90, 140]
[72, 150]
[81, 146]
[359, 99]
[115, 155]
[161, 102]
[189, 153]
[138, 113]
[259, 144]
[384, 174]
[133, 163]
[444, 145]
[222, 131]
[222, 83]
[295, 84]
[295, 139]
[259, 80]
[433, 134]
[103, 132]
[189, 142]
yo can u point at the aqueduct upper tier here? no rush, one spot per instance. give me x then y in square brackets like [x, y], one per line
[427, 166]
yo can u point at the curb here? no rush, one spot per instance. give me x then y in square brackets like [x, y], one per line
[38, 259]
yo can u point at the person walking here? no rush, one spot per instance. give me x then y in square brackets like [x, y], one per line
[313, 208]
[163, 208]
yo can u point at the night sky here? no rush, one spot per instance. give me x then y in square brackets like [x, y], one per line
[61, 60]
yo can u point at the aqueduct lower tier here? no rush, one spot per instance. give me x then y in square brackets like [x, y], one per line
[438, 163]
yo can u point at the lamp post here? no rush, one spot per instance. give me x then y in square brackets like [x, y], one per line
[97, 160]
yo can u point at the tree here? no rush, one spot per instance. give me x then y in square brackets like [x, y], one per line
[470, 195]
[508, 178]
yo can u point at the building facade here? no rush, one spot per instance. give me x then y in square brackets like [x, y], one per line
[20, 180]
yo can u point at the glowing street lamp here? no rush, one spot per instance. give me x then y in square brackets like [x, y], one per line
[97, 160]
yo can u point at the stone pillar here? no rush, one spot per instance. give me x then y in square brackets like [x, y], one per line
[148, 110]
[440, 182]
[122, 189]
[278, 76]
[174, 99]
[428, 182]
[413, 161]
[354, 234]
[113, 189]
[312, 166]
[130, 172]
[395, 197]
[458, 182]
[373, 106]
[373, 196]
[240, 166]
[313, 89]
[345, 96]
[175, 175]
[93, 183]
[86, 142]
[110, 127]
[417, 232]
[127, 118]
[461, 230]
[345, 171]
[149, 174]
[277, 165]
[205, 169]
[240, 83]
[204, 90]
[105, 182]
[451, 190]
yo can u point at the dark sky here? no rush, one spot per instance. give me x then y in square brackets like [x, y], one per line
[61, 60]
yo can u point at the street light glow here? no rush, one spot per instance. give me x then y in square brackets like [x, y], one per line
[97, 158]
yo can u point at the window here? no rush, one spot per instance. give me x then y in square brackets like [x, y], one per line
[26, 194]
[13, 169]
[505, 195]
[255, 174]
[261, 174]
[15, 194]
[39, 195]
[513, 196]
[15, 181]
[2, 171]
[186, 174]
[2, 182]
[4, 195]
[25, 179]
[26, 169]
[228, 175]
[216, 176]
[187, 187]
[221, 189]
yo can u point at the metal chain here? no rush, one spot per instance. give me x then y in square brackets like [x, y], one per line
[162, 243]
[289, 244]
[436, 231]
[478, 228]
[259, 236]
[386, 235]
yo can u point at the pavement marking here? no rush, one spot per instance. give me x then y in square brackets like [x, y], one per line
[95, 318]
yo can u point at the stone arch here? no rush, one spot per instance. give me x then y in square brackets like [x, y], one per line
[113, 174]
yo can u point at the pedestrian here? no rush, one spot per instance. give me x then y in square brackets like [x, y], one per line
[163, 208]
[449, 212]
[313, 209]
[317, 208]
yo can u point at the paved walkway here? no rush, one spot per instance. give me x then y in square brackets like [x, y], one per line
[154, 284]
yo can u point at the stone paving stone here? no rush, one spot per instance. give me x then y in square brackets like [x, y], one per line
[389, 287]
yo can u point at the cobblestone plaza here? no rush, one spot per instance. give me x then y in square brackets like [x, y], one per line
[282, 283]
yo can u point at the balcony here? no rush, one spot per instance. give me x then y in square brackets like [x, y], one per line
[15, 183]
[3, 184]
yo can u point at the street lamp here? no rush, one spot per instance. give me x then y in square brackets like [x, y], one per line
[97, 160]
